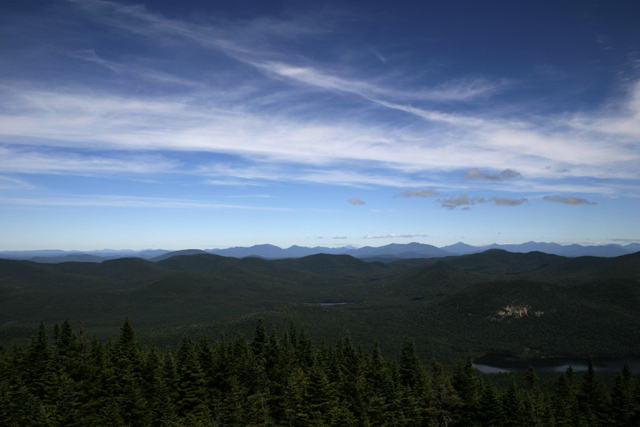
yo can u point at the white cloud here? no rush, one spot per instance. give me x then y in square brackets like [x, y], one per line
[356, 201]
[31, 161]
[602, 144]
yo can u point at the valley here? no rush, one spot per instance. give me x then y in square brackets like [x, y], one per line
[525, 304]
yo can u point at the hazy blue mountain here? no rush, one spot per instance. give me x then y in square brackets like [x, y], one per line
[177, 253]
[557, 249]
[264, 251]
[410, 250]
[461, 248]
[68, 258]
[33, 254]
[388, 252]
[54, 256]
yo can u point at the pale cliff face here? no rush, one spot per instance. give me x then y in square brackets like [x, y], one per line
[516, 312]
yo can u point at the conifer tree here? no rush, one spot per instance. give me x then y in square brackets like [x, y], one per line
[38, 358]
[320, 396]
[593, 396]
[445, 403]
[565, 401]
[259, 339]
[622, 398]
[380, 389]
[490, 411]
[191, 382]
[514, 406]
[467, 385]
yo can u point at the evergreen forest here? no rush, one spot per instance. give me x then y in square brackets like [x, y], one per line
[65, 378]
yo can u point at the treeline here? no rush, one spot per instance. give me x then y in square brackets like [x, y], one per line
[280, 380]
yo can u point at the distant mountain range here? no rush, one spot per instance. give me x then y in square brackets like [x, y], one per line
[387, 252]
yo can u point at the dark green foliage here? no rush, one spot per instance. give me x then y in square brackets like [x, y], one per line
[593, 397]
[449, 306]
[280, 381]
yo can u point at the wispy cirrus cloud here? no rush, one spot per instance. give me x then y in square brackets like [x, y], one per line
[240, 118]
[9, 183]
[451, 91]
[110, 201]
[30, 161]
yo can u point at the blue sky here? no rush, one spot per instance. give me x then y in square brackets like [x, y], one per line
[162, 124]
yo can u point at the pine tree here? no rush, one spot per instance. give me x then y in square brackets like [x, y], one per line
[320, 396]
[305, 351]
[537, 408]
[380, 389]
[514, 406]
[565, 401]
[467, 385]
[191, 382]
[490, 412]
[445, 403]
[593, 397]
[38, 360]
[622, 404]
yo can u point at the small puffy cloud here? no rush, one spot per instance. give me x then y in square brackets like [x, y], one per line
[339, 237]
[417, 193]
[356, 201]
[462, 200]
[476, 173]
[568, 200]
[506, 201]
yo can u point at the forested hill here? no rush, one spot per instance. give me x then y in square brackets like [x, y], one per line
[282, 380]
[551, 305]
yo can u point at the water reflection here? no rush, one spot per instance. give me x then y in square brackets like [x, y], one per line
[495, 363]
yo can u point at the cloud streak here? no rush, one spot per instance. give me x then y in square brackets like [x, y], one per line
[466, 202]
[417, 193]
[568, 200]
[462, 200]
[108, 201]
[265, 119]
[506, 201]
[393, 236]
[475, 173]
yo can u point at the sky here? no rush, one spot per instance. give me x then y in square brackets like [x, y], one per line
[133, 124]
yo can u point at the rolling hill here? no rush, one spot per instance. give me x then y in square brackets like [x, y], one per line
[450, 305]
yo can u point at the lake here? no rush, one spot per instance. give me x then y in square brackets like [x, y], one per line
[333, 303]
[495, 363]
